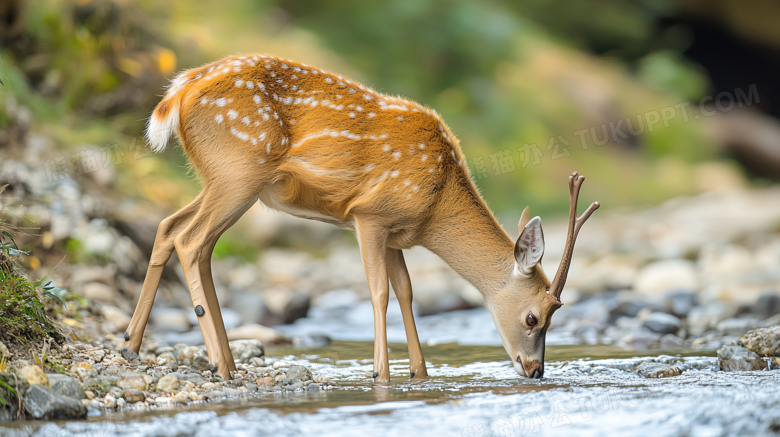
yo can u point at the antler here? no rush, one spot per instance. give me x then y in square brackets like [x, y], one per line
[575, 223]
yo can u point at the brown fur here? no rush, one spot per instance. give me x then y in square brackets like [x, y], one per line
[321, 146]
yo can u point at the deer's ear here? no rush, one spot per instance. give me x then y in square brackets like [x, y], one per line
[529, 248]
[525, 217]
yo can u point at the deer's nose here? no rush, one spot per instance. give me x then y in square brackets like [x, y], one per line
[534, 369]
[537, 374]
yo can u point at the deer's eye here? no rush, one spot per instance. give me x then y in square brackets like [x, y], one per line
[531, 320]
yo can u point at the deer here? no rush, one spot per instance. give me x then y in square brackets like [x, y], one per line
[320, 146]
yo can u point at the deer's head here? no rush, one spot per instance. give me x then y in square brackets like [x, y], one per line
[522, 310]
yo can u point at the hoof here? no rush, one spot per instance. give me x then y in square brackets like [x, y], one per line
[127, 336]
[376, 374]
[412, 374]
[213, 368]
[199, 311]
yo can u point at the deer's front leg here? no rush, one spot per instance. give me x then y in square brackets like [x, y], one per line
[373, 244]
[402, 286]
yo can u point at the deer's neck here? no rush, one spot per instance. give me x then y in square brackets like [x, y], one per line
[467, 236]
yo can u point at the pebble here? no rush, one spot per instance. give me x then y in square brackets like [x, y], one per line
[132, 382]
[34, 375]
[735, 358]
[133, 396]
[109, 401]
[182, 398]
[662, 323]
[763, 341]
[657, 370]
[168, 383]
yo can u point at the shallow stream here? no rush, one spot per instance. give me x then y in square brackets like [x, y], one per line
[474, 391]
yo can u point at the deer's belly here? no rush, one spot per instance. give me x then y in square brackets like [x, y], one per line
[270, 198]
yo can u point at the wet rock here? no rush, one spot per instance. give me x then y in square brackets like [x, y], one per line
[43, 404]
[65, 386]
[662, 323]
[310, 340]
[763, 341]
[232, 391]
[34, 375]
[254, 331]
[660, 277]
[168, 383]
[132, 382]
[299, 373]
[657, 370]
[244, 350]
[313, 387]
[736, 358]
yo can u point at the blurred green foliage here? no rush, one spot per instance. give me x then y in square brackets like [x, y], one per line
[505, 75]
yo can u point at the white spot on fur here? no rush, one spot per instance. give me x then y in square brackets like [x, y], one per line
[219, 118]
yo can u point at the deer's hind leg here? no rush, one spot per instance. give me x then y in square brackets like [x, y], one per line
[161, 253]
[402, 286]
[223, 205]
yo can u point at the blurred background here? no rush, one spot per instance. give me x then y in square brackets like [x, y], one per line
[670, 108]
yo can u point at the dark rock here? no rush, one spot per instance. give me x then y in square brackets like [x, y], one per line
[680, 303]
[297, 308]
[767, 305]
[656, 370]
[763, 341]
[44, 404]
[736, 358]
[200, 361]
[65, 386]
[299, 373]
[662, 323]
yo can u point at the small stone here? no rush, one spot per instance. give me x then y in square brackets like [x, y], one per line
[257, 362]
[657, 370]
[132, 396]
[34, 375]
[187, 353]
[322, 379]
[89, 394]
[200, 360]
[182, 398]
[213, 394]
[737, 358]
[118, 361]
[120, 403]
[168, 384]
[164, 400]
[199, 311]
[251, 386]
[313, 387]
[267, 380]
[132, 382]
[244, 350]
[233, 392]
[662, 323]
[209, 386]
[281, 363]
[299, 373]
[118, 392]
[109, 401]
